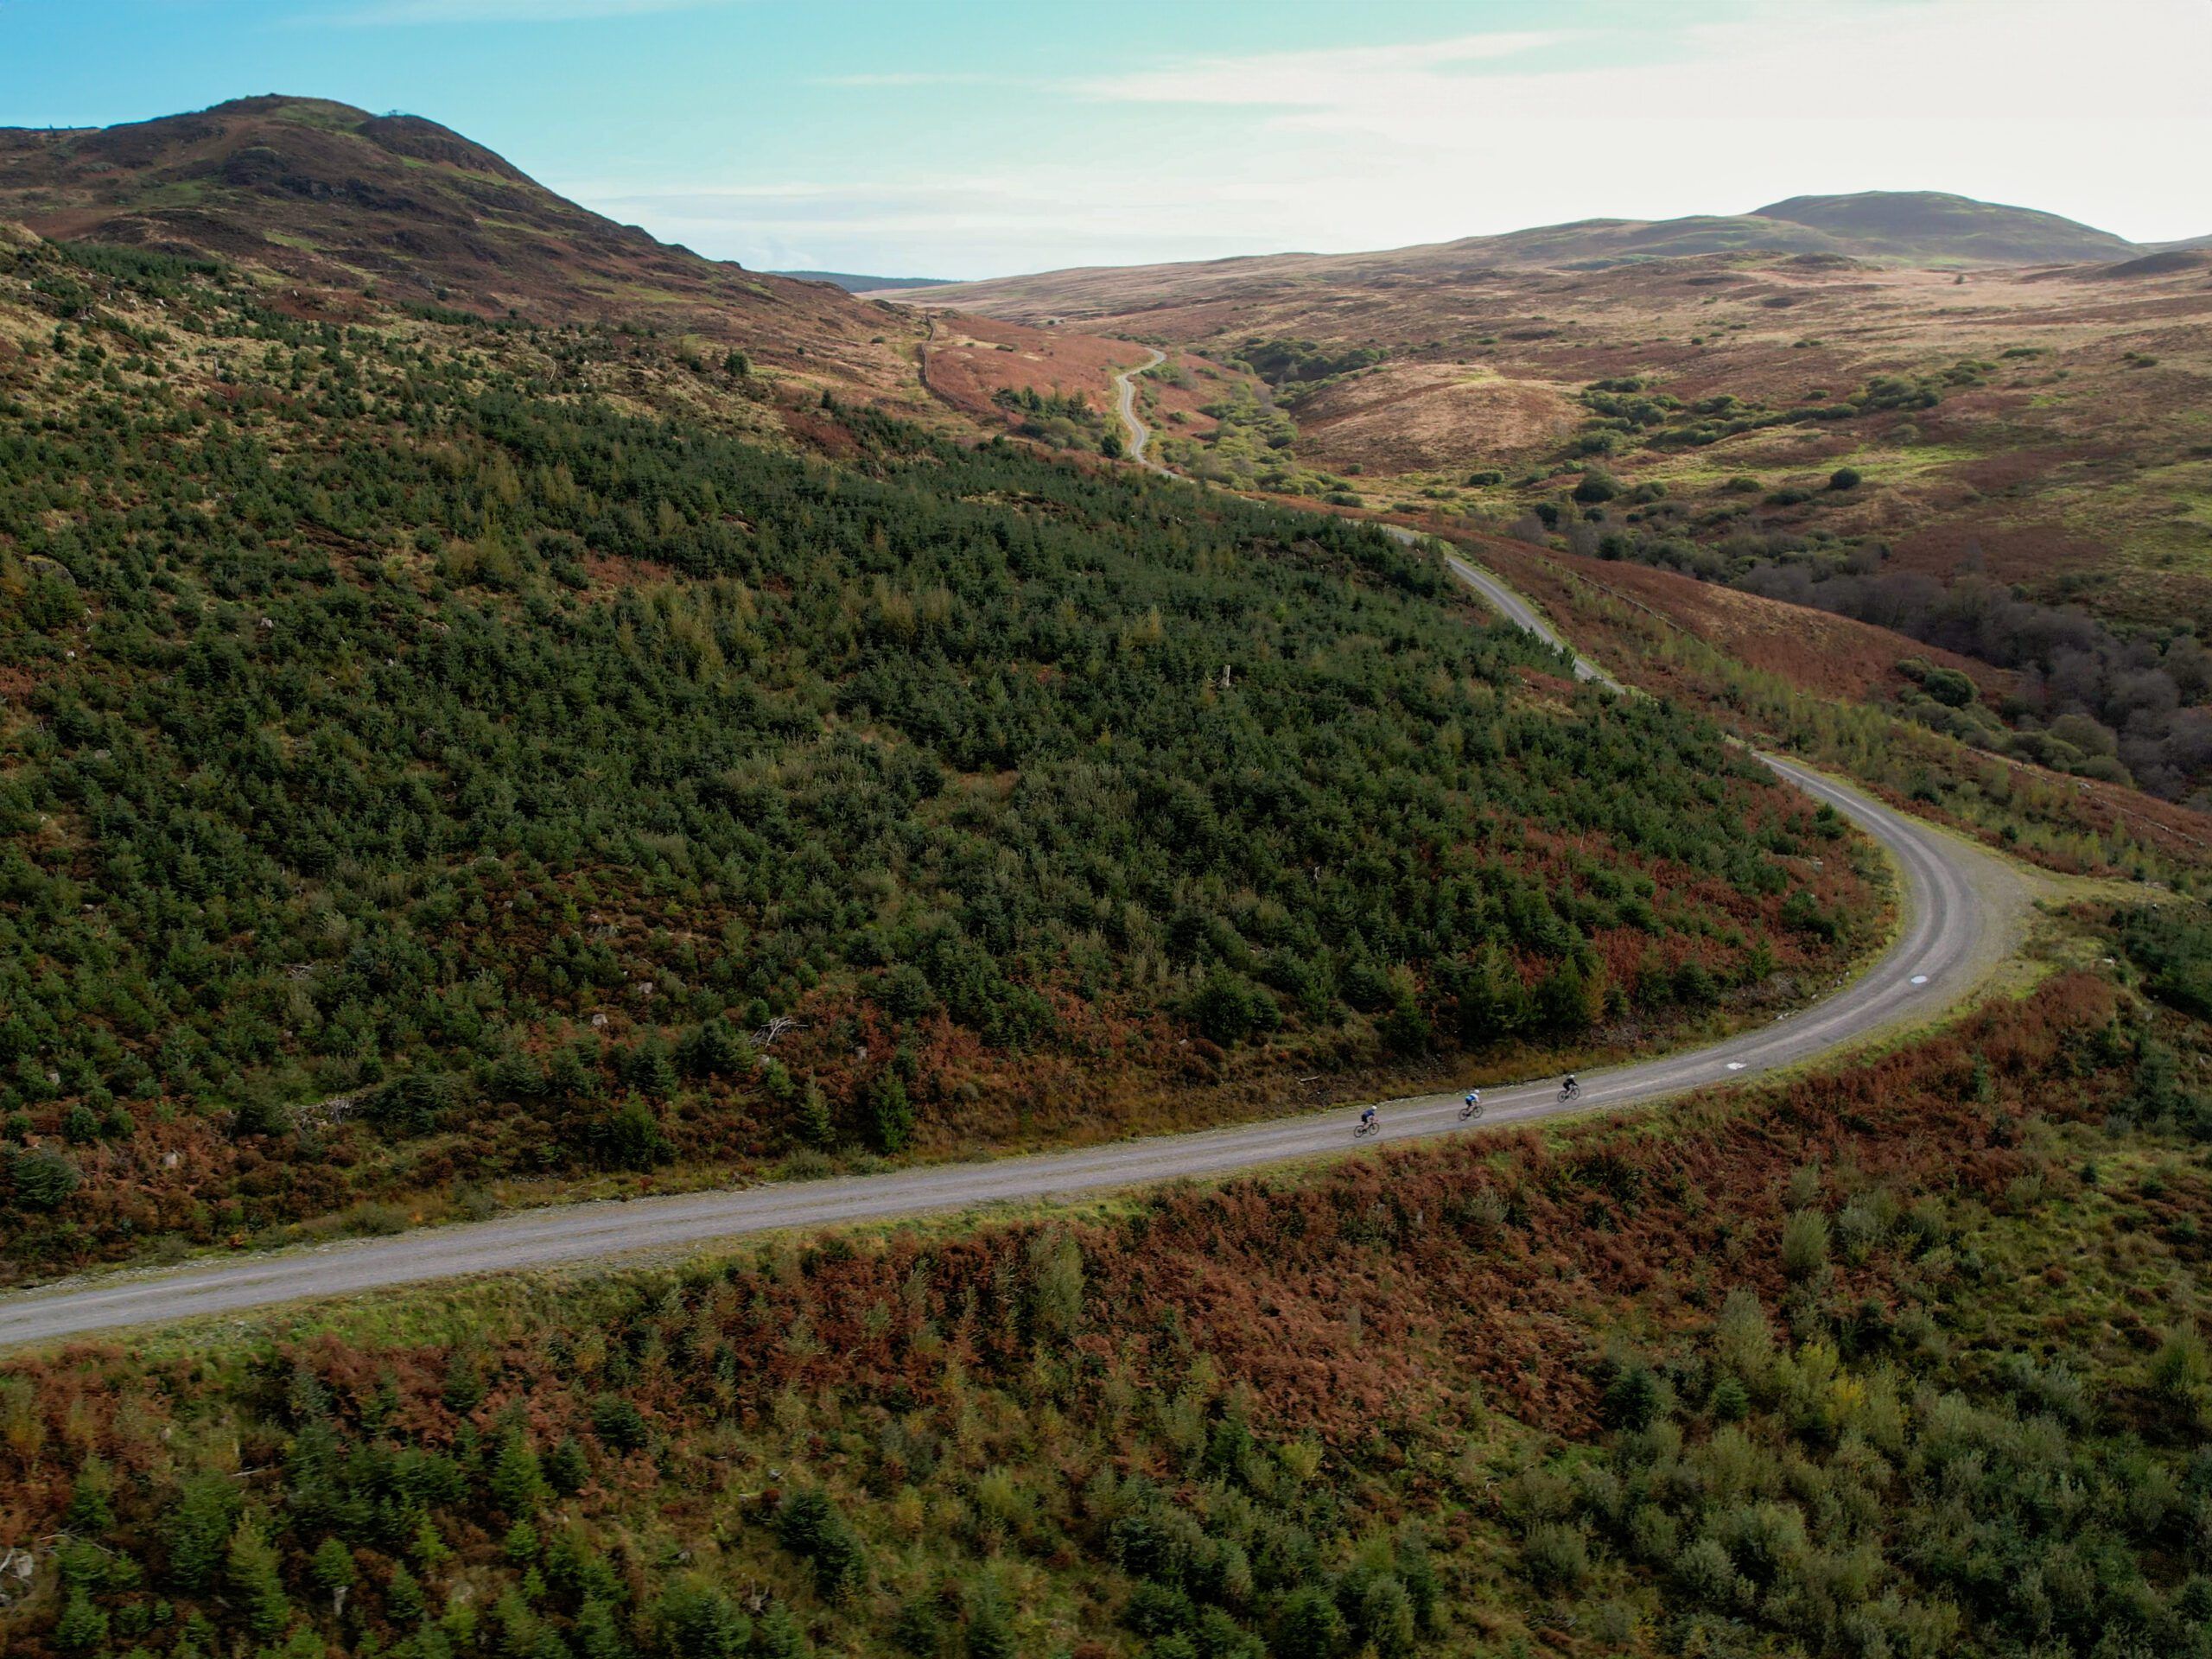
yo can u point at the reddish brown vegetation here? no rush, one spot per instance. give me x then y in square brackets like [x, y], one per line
[1565, 586]
[969, 359]
[335, 200]
[1370, 1294]
[1828, 655]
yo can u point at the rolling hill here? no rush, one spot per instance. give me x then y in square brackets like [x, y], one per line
[1934, 227]
[2055, 443]
[449, 761]
[346, 204]
[487, 753]
[852, 283]
[1915, 227]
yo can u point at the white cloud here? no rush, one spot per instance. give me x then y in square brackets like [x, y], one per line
[2083, 107]
[1312, 78]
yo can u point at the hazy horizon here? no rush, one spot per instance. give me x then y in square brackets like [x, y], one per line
[936, 141]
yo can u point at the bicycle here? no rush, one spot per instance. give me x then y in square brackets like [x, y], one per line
[1569, 1091]
[1367, 1126]
[1471, 1112]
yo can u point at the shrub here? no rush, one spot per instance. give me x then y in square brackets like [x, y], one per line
[617, 1423]
[697, 1621]
[250, 1572]
[812, 1124]
[198, 1528]
[1845, 478]
[1950, 687]
[1705, 1574]
[1227, 1007]
[1556, 1558]
[1730, 1401]
[261, 1113]
[517, 1483]
[43, 1177]
[1309, 1626]
[2180, 1369]
[1596, 486]
[1860, 1227]
[1804, 1244]
[628, 1137]
[809, 1525]
[1633, 1398]
[82, 1624]
[890, 1113]
[567, 1468]
[332, 1566]
[412, 1104]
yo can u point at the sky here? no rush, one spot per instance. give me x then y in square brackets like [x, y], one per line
[963, 138]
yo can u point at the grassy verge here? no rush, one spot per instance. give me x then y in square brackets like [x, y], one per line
[1698, 1383]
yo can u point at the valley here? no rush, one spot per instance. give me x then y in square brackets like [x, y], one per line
[688, 954]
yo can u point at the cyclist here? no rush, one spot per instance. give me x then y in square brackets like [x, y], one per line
[1474, 1104]
[1367, 1118]
[1570, 1089]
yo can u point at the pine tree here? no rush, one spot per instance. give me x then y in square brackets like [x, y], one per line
[250, 1573]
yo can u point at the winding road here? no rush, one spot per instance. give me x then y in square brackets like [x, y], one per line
[1125, 403]
[1961, 909]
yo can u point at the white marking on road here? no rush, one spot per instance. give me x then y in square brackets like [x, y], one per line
[1920, 979]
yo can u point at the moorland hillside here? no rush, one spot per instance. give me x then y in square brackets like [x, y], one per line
[448, 757]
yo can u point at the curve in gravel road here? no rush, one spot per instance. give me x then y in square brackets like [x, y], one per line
[1125, 403]
[1960, 905]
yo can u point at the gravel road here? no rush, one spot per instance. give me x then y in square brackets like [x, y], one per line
[1962, 906]
[1125, 399]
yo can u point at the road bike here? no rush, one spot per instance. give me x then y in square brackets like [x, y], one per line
[1368, 1125]
[1471, 1112]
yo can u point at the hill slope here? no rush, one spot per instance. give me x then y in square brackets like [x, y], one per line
[1935, 226]
[331, 196]
[852, 283]
[1926, 227]
[469, 757]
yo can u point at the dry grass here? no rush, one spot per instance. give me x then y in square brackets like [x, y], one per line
[2086, 452]
[1431, 416]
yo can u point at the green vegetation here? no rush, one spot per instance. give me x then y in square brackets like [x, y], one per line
[1627, 413]
[1905, 1360]
[420, 769]
[2047, 819]
[1303, 363]
[1066, 421]
[1252, 446]
[2125, 706]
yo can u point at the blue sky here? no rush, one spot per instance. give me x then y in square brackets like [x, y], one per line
[972, 137]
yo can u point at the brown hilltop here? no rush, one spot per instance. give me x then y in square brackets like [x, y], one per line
[337, 198]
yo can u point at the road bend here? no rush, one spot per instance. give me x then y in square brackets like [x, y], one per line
[1958, 903]
[1125, 402]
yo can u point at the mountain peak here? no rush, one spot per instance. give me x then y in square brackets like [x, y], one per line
[1910, 223]
[339, 198]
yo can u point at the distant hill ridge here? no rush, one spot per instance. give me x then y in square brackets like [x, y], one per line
[854, 284]
[1891, 227]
